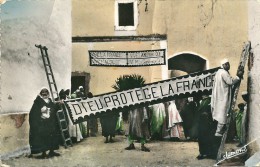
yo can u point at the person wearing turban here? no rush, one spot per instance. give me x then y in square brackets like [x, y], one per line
[221, 97]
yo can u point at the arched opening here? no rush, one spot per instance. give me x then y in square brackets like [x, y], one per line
[182, 64]
[187, 62]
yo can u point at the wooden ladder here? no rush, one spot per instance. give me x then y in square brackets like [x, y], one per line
[235, 90]
[55, 95]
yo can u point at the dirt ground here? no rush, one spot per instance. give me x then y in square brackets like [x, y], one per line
[92, 151]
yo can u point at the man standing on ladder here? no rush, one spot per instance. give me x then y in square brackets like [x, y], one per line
[221, 98]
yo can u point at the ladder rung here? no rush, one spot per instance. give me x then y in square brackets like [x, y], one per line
[50, 77]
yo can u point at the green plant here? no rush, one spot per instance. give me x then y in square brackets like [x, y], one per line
[126, 82]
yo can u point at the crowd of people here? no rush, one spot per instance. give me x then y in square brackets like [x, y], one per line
[201, 118]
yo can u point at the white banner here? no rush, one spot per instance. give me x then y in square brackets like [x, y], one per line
[79, 109]
[127, 58]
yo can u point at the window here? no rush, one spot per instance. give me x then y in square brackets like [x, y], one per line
[126, 15]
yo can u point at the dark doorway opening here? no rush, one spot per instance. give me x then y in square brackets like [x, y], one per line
[77, 81]
[179, 65]
[80, 79]
[187, 62]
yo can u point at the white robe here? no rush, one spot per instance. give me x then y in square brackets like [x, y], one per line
[174, 116]
[221, 95]
[174, 121]
[243, 126]
[74, 130]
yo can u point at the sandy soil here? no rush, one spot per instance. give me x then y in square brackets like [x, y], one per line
[93, 151]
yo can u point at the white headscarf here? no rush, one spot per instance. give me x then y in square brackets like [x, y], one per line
[190, 99]
[80, 87]
[46, 100]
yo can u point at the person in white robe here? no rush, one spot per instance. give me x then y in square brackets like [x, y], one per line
[74, 130]
[138, 128]
[221, 95]
[175, 128]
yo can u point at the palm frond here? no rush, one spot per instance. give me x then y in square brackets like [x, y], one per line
[128, 82]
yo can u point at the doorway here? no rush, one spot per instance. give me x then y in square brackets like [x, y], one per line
[179, 65]
[80, 79]
[187, 62]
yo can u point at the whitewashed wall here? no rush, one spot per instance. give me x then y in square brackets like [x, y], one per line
[39, 22]
[254, 107]
[24, 24]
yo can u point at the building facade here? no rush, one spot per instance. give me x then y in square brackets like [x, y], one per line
[195, 34]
